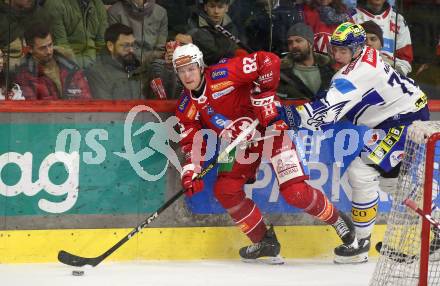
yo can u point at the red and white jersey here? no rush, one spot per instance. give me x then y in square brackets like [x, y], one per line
[387, 21]
[367, 91]
[226, 96]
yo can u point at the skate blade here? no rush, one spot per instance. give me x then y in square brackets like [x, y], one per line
[356, 259]
[271, 260]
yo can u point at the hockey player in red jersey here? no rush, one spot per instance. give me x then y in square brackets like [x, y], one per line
[223, 98]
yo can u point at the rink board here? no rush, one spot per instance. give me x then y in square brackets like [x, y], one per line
[37, 222]
[187, 243]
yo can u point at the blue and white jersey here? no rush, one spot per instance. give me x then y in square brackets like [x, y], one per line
[367, 92]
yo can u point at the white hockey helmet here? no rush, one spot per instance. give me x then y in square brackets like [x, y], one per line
[187, 54]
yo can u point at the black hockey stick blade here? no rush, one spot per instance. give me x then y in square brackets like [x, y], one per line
[395, 255]
[77, 261]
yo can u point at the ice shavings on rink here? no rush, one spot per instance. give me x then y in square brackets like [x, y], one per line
[191, 273]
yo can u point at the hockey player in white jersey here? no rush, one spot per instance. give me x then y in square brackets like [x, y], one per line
[398, 46]
[366, 91]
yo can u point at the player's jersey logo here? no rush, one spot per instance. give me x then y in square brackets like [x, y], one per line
[223, 61]
[375, 136]
[220, 121]
[218, 94]
[219, 73]
[233, 129]
[284, 168]
[221, 85]
[370, 57]
[343, 85]
[183, 103]
[326, 115]
[396, 157]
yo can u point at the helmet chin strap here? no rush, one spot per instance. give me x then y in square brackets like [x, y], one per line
[359, 49]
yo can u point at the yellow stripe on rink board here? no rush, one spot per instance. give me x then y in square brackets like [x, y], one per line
[185, 243]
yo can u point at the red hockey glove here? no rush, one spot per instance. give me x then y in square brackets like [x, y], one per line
[189, 183]
[264, 107]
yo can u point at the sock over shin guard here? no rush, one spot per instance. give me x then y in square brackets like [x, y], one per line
[311, 200]
[248, 217]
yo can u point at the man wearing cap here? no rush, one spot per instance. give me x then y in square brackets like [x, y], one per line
[375, 40]
[310, 71]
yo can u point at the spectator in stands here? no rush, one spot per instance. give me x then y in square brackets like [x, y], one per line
[150, 26]
[46, 73]
[149, 23]
[310, 71]
[253, 21]
[179, 12]
[324, 16]
[284, 14]
[331, 12]
[424, 25]
[114, 75]
[375, 40]
[374, 35]
[6, 91]
[212, 43]
[15, 17]
[263, 24]
[78, 25]
[383, 14]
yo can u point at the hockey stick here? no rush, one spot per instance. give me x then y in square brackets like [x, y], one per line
[412, 205]
[236, 40]
[394, 254]
[434, 244]
[78, 261]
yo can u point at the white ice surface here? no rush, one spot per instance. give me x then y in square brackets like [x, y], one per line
[191, 273]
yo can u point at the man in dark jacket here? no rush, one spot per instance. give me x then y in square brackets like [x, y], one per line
[47, 74]
[78, 25]
[310, 72]
[113, 75]
[15, 17]
[212, 43]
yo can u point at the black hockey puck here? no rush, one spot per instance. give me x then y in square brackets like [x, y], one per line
[77, 272]
[379, 246]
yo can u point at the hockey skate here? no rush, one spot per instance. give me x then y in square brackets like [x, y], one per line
[266, 251]
[351, 251]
